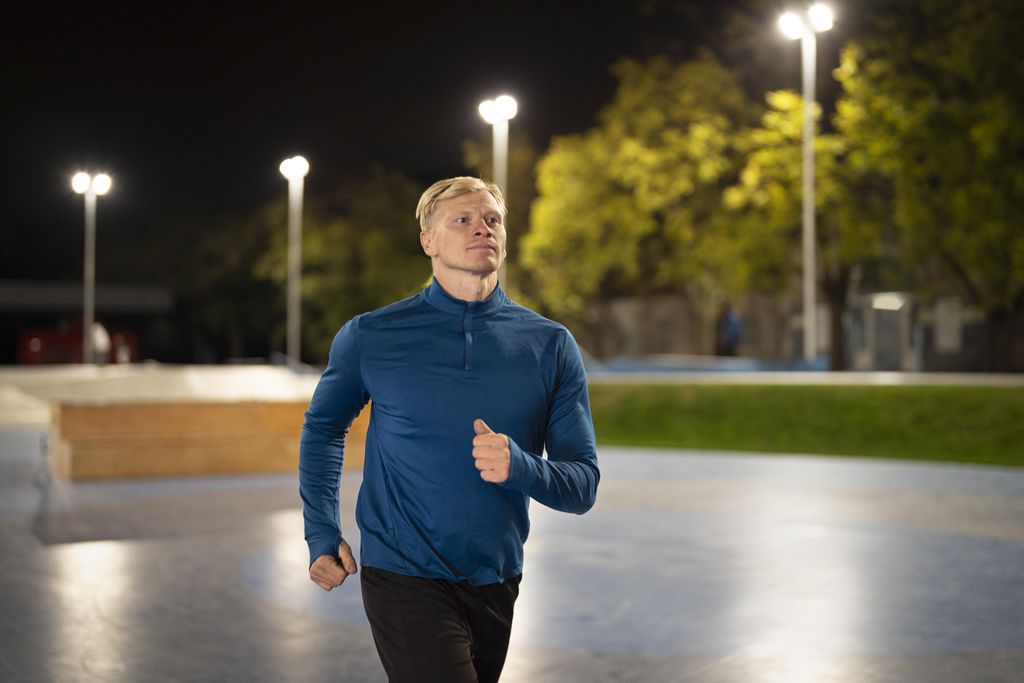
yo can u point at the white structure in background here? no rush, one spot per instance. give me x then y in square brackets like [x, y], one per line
[295, 170]
[498, 112]
[948, 321]
[91, 187]
[795, 26]
[101, 344]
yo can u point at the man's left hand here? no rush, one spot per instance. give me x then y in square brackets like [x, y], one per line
[491, 453]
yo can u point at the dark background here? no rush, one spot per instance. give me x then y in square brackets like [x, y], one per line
[191, 107]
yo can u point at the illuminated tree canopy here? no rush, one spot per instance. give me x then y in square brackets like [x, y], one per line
[633, 206]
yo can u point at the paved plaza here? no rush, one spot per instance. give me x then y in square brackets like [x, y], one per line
[693, 566]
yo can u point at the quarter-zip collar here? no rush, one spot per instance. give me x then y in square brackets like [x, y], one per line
[437, 297]
[467, 310]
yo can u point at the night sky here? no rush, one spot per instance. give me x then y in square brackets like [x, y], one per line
[191, 107]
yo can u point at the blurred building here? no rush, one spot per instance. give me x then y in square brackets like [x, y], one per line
[41, 321]
[882, 331]
[896, 331]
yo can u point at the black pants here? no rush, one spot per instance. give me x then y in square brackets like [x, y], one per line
[436, 630]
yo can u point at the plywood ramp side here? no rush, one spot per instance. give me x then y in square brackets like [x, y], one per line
[180, 439]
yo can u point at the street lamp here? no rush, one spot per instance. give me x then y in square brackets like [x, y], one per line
[295, 170]
[498, 112]
[90, 186]
[795, 26]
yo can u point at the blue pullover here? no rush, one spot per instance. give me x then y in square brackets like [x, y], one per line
[431, 364]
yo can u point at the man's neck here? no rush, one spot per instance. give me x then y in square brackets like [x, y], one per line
[466, 286]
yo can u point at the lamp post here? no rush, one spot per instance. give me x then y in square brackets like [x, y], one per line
[498, 112]
[795, 26]
[91, 187]
[295, 170]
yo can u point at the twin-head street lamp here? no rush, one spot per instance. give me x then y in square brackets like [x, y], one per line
[817, 19]
[90, 186]
[498, 112]
[295, 170]
[794, 25]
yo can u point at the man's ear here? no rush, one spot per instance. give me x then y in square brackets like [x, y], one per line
[427, 242]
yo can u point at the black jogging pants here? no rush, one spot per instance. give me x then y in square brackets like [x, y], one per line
[435, 630]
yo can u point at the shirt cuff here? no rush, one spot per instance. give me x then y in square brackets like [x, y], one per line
[523, 469]
[323, 547]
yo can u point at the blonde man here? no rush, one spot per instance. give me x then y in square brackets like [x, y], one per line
[469, 390]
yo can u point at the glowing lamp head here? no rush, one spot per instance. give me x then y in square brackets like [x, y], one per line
[295, 168]
[820, 16]
[501, 108]
[80, 182]
[101, 184]
[506, 106]
[487, 111]
[792, 26]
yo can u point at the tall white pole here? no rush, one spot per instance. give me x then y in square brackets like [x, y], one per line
[295, 170]
[89, 304]
[497, 112]
[500, 154]
[818, 18]
[295, 186]
[808, 45]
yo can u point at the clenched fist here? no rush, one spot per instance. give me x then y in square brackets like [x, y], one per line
[491, 453]
[330, 572]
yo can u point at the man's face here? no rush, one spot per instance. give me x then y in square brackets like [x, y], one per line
[467, 234]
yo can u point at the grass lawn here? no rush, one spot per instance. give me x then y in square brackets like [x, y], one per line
[954, 423]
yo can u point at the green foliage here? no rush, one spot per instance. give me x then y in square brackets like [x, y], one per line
[685, 186]
[852, 204]
[967, 424]
[360, 251]
[224, 311]
[934, 97]
[633, 205]
[522, 160]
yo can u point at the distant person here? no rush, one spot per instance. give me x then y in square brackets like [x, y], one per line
[729, 331]
[468, 390]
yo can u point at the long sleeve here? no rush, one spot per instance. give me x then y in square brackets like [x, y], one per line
[339, 396]
[567, 480]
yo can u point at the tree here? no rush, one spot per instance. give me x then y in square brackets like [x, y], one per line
[359, 251]
[633, 206]
[222, 310]
[851, 204]
[521, 191]
[934, 96]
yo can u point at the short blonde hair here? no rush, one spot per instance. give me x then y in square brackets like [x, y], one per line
[453, 187]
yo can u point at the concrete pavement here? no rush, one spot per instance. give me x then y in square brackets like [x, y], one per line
[693, 566]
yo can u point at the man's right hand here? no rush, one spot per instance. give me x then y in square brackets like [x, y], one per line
[330, 572]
